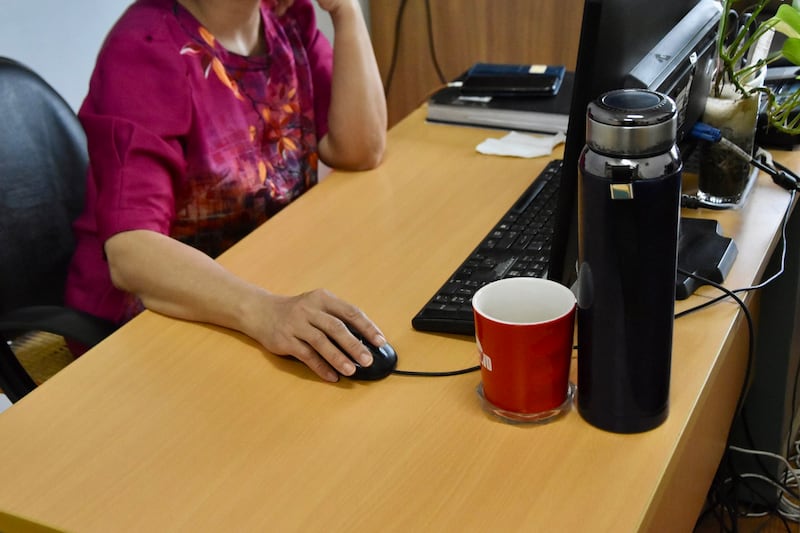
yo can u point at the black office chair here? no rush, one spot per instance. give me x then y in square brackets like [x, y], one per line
[43, 160]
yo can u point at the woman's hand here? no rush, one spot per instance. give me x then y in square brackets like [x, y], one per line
[308, 325]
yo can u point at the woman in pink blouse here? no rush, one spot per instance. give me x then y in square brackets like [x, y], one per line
[203, 119]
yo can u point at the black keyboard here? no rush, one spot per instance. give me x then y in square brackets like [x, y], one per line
[518, 245]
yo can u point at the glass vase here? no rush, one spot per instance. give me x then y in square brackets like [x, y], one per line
[724, 175]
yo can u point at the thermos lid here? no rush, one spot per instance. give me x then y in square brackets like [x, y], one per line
[631, 122]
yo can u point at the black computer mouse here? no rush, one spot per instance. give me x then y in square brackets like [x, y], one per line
[384, 360]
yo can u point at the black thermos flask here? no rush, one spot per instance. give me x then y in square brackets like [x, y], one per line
[629, 210]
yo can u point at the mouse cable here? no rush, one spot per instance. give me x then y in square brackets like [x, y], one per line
[450, 372]
[437, 374]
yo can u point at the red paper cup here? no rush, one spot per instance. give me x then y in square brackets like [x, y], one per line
[524, 331]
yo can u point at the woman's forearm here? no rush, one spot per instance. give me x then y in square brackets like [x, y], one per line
[177, 280]
[357, 119]
[174, 279]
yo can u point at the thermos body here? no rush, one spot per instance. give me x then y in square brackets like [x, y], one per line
[629, 212]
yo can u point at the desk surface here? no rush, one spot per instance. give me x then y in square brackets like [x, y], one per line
[169, 425]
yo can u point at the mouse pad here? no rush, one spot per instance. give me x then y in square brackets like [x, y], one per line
[702, 250]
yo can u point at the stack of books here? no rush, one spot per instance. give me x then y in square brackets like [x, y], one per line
[535, 110]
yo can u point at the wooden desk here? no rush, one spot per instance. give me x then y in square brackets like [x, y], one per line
[175, 426]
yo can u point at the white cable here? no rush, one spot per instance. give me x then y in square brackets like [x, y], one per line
[784, 242]
[780, 458]
[788, 510]
[791, 479]
[766, 479]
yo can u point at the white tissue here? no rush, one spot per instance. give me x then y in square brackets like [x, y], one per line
[521, 145]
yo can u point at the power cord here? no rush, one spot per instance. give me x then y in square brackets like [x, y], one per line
[398, 25]
[432, 44]
[773, 277]
[720, 491]
[723, 494]
[748, 317]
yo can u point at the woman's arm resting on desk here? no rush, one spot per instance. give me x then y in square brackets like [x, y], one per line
[357, 119]
[176, 280]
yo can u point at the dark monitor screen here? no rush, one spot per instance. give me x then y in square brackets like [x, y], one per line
[665, 46]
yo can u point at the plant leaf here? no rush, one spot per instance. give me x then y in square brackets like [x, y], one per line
[791, 50]
[787, 20]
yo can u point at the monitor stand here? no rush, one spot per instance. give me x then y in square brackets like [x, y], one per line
[702, 250]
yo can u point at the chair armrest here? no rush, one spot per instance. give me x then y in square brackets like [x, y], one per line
[69, 323]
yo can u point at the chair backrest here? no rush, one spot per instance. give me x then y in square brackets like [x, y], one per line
[43, 161]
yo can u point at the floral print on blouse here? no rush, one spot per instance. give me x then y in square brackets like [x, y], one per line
[250, 171]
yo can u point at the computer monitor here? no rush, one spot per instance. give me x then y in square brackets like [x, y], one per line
[666, 46]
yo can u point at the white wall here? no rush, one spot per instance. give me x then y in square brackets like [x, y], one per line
[59, 39]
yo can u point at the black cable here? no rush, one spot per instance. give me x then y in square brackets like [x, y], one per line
[437, 374]
[747, 381]
[732, 293]
[748, 317]
[398, 24]
[795, 390]
[726, 500]
[781, 175]
[730, 503]
[432, 45]
[748, 373]
[785, 523]
[795, 393]
[784, 246]
[723, 497]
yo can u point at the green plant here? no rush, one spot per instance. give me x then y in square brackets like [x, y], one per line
[743, 51]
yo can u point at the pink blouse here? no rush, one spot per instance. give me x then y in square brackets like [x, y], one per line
[192, 141]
